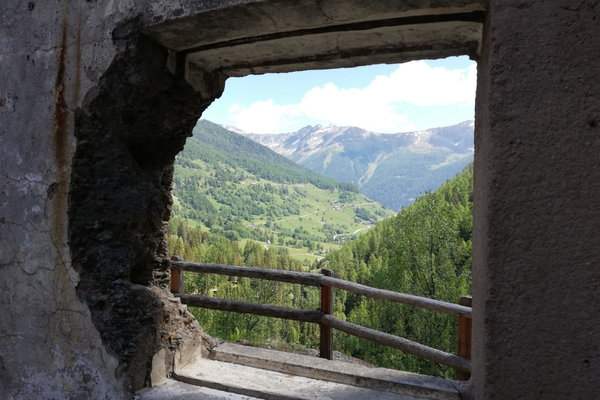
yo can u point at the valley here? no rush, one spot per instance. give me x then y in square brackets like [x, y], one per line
[246, 205]
[229, 185]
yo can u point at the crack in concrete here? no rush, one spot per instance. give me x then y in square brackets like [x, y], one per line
[29, 226]
[20, 179]
[66, 310]
[323, 12]
[268, 15]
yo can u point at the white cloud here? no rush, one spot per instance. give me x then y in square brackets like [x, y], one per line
[419, 84]
[263, 116]
[381, 106]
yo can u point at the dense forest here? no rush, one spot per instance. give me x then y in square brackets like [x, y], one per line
[196, 245]
[424, 250]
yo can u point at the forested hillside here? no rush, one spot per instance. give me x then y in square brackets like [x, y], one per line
[232, 186]
[197, 245]
[425, 250]
[214, 144]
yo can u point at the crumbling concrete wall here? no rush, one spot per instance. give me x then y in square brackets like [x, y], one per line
[128, 132]
[49, 347]
[537, 202]
[90, 120]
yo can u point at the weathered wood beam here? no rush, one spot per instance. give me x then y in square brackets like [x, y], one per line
[301, 278]
[267, 310]
[400, 343]
[304, 278]
[325, 331]
[416, 301]
[463, 348]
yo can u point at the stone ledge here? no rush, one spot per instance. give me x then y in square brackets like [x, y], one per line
[400, 382]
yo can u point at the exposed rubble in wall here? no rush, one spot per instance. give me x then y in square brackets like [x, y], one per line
[128, 132]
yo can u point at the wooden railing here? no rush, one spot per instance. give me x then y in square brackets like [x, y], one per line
[327, 322]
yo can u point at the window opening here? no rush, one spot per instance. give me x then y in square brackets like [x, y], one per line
[369, 142]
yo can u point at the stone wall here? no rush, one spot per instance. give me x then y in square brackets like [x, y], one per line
[536, 282]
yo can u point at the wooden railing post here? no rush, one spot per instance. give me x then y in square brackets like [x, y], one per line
[326, 332]
[464, 337]
[176, 277]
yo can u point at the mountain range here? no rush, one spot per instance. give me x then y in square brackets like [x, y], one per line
[392, 169]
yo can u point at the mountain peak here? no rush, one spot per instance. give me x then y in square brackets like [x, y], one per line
[390, 168]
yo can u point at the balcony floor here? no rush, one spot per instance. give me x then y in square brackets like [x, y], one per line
[241, 372]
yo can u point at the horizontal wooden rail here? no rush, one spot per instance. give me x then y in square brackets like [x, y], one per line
[305, 278]
[319, 317]
[399, 343]
[461, 363]
[267, 310]
[408, 299]
[301, 278]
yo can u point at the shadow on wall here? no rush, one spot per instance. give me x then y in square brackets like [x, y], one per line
[128, 132]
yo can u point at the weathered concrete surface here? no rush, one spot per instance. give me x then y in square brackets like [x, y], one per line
[400, 382]
[174, 390]
[92, 114]
[537, 195]
[255, 19]
[280, 36]
[50, 53]
[87, 106]
[266, 384]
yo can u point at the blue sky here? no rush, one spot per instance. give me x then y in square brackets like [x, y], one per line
[381, 98]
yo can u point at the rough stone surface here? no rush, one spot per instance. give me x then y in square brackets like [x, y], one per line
[129, 129]
[537, 190]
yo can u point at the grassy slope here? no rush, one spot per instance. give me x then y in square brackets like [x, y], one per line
[264, 196]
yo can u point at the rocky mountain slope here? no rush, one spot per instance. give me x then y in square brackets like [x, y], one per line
[392, 169]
